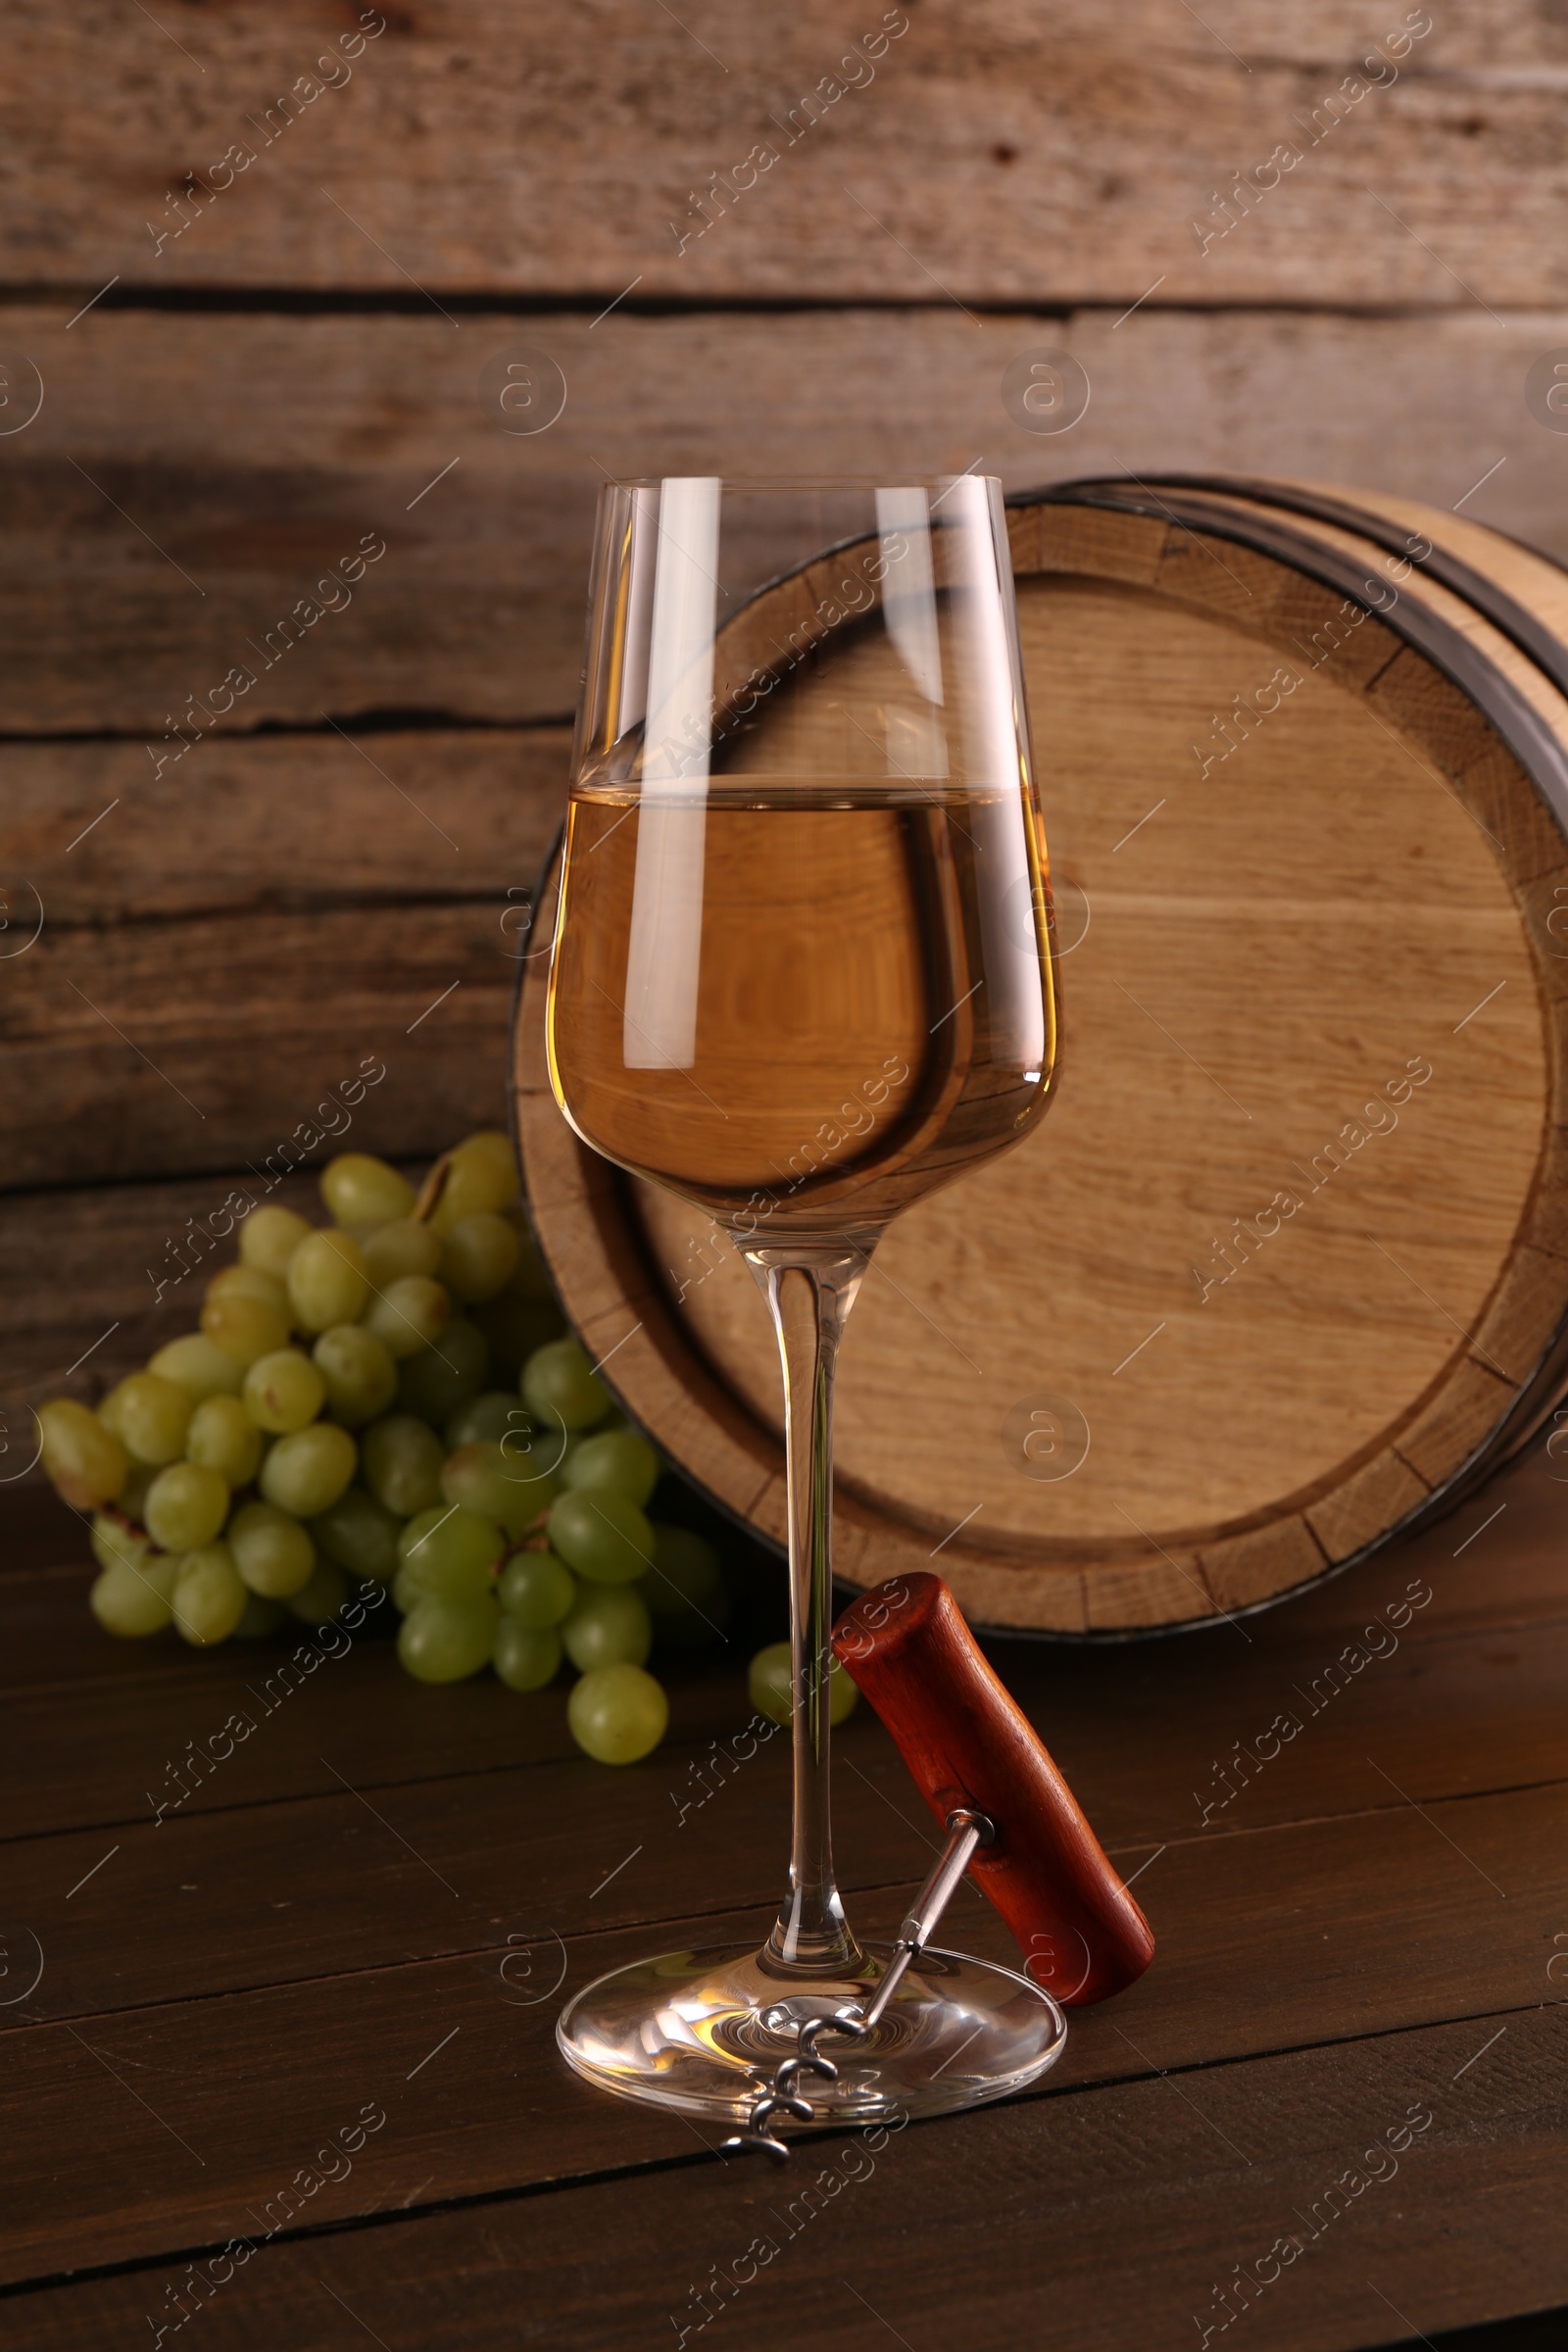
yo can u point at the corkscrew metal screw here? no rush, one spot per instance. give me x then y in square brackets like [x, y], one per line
[967, 1831]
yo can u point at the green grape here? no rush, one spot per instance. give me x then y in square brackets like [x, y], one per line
[85, 1461]
[451, 1552]
[283, 1390]
[413, 1534]
[690, 1603]
[186, 1506]
[116, 1539]
[319, 1600]
[617, 1714]
[403, 1246]
[135, 1598]
[209, 1598]
[608, 1625]
[615, 1461]
[769, 1682]
[249, 1282]
[536, 1589]
[272, 1551]
[516, 1327]
[692, 1628]
[243, 1326]
[360, 1190]
[402, 1460]
[685, 1574]
[308, 1470]
[195, 1365]
[524, 1660]
[476, 1179]
[149, 1416]
[559, 1385]
[500, 1486]
[539, 1452]
[359, 1534]
[530, 1281]
[132, 1497]
[259, 1618]
[605, 1537]
[438, 1642]
[440, 1378]
[495, 1418]
[499, 1146]
[406, 1590]
[410, 1313]
[326, 1281]
[546, 1451]
[480, 1256]
[269, 1239]
[223, 1437]
[361, 1376]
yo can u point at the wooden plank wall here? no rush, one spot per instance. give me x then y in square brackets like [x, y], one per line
[263, 267]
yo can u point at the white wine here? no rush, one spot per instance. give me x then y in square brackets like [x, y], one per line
[801, 1005]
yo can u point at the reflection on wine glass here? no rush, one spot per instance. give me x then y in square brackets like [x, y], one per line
[801, 976]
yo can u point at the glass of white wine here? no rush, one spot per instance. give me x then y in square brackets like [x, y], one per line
[801, 976]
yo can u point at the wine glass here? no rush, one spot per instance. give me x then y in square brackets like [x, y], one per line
[803, 977]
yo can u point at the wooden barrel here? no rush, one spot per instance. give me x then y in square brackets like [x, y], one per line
[1286, 1268]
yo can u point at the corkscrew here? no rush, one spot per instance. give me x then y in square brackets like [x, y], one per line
[1010, 1820]
[968, 1831]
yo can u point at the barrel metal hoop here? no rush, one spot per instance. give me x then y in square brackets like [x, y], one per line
[1507, 615]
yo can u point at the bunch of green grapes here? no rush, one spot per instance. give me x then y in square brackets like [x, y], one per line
[340, 1414]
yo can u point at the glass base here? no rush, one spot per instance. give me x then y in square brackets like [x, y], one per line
[703, 2032]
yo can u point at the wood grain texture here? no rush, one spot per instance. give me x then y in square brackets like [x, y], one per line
[1125, 2211]
[508, 1829]
[335, 1956]
[207, 1042]
[142, 1697]
[329, 1968]
[204, 953]
[1272, 882]
[1411, 1936]
[1063, 155]
[271, 822]
[255, 451]
[219, 949]
[80, 1269]
[1406, 1945]
[271, 1909]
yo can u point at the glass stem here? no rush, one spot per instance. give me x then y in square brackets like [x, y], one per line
[810, 1295]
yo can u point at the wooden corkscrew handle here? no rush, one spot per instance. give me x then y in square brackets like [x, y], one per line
[967, 1742]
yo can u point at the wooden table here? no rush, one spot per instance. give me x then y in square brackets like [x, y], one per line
[343, 1954]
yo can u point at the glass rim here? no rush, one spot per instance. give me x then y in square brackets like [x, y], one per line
[803, 485]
